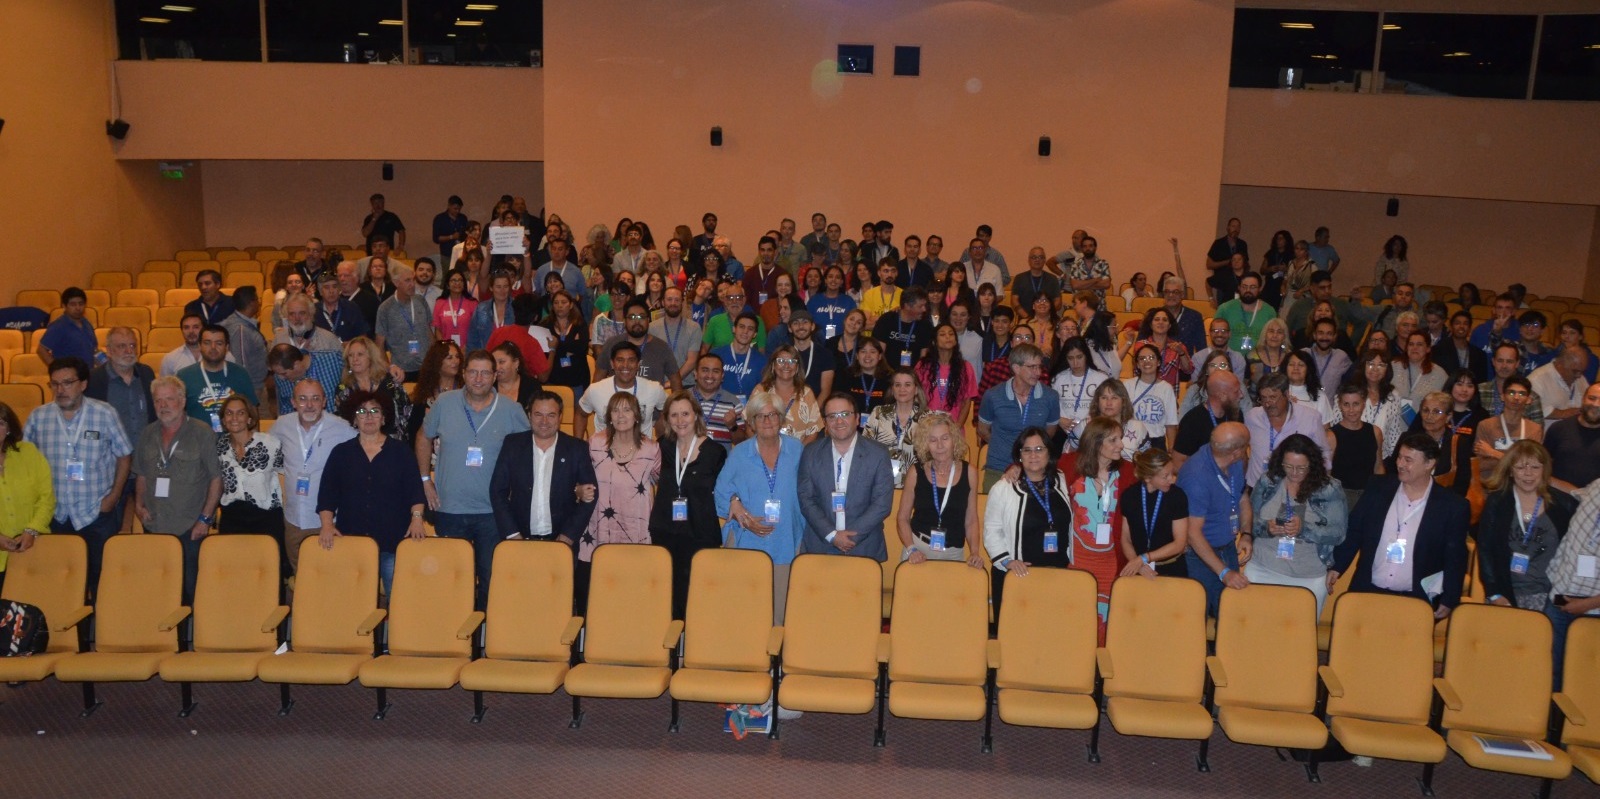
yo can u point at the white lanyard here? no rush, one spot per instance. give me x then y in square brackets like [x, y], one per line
[682, 463]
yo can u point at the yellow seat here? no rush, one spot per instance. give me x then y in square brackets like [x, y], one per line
[180, 297]
[431, 621]
[188, 256]
[237, 617]
[1497, 683]
[335, 612]
[729, 644]
[43, 299]
[1046, 642]
[1579, 699]
[1153, 666]
[49, 576]
[939, 654]
[22, 397]
[1378, 678]
[138, 609]
[630, 648]
[1265, 669]
[156, 281]
[528, 641]
[834, 649]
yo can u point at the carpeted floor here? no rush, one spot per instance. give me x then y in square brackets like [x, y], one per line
[235, 744]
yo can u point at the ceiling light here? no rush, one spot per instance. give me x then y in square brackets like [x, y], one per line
[177, 8]
[390, 22]
[1304, 26]
[158, 20]
[481, 7]
[469, 23]
[1457, 54]
[1390, 26]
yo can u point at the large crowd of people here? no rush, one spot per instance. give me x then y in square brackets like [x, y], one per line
[1284, 436]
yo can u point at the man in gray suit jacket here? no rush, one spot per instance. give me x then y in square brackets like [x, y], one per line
[846, 487]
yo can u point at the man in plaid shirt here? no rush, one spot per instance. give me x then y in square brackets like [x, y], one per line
[89, 457]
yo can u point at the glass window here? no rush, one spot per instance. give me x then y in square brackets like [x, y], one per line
[1466, 55]
[1322, 47]
[1569, 58]
[501, 34]
[216, 30]
[353, 31]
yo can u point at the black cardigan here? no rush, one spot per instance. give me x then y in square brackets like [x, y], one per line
[1494, 542]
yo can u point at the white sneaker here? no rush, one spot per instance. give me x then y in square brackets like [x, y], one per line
[785, 714]
[1362, 761]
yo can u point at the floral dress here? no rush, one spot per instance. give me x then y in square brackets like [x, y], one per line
[623, 497]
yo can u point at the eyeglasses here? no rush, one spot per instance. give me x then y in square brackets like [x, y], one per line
[841, 414]
[365, 411]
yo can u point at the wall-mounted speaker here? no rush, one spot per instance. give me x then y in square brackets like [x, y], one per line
[716, 136]
[388, 171]
[1393, 208]
[117, 129]
[1044, 146]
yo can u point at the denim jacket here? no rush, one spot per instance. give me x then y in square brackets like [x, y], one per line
[1323, 522]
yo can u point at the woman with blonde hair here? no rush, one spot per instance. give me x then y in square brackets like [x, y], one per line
[1523, 521]
[627, 465]
[938, 516]
[802, 415]
[366, 369]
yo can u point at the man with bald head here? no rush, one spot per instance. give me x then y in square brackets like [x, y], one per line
[1218, 510]
[1223, 392]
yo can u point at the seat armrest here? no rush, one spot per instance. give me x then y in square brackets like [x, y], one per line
[1102, 659]
[775, 641]
[1570, 709]
[1447, 692]
[883, 647]
[275, 618]
[674, 634]
[173, 619]
[470, 626]
[1331, 680]
[992, 651]
[574, 626]
[371, 622]
[1219, 675]
[70, 620]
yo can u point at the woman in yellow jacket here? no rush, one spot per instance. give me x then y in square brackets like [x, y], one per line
[27, 501]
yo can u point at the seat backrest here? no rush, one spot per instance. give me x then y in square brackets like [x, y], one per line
[1156, 635]
[334, 591]
[1267, 642]
[729, 615]
[940, 624]
[1498, 660]
[530, 601]
[833, 616]
[434, 583]
[630, 605]
[1048, 631]
[1580, 680]
[235, 591]
[1382, 652]
[50, 576]
[141, 583]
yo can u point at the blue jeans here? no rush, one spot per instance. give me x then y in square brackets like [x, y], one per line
[1208, 579]
[95, 534]
[480, 529]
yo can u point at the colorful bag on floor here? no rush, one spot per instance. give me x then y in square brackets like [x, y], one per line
[22, 630]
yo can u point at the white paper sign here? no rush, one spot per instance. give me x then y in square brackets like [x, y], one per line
[505, 240]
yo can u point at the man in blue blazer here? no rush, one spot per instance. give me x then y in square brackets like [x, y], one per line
[1411, 534]
[846, 487]
[547, 467]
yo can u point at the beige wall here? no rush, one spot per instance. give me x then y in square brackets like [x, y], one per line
[1544, 246]
[208, 109]
[59, 171]
[1132, 94]
[258, 203]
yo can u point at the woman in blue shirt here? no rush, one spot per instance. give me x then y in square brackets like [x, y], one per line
[758, 493]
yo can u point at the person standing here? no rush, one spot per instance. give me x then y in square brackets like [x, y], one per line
[179, 476]
[88, 452]
[846, 486]
[683, 517]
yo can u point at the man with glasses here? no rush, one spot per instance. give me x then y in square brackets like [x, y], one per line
[846, 486]
[1187, 324]
[89, 452]
[719, 328]
[1506, 362]
[1019, 403]
[466, 429]
[307, 434]
[1221, 335]
[656, 359]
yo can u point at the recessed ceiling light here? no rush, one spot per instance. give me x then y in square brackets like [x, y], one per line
[469, 23]
[1457, 54]
[481, 7]
[177, 8]
[390, 22]
[1304, 26]
[157, 20]
[1390, 26]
